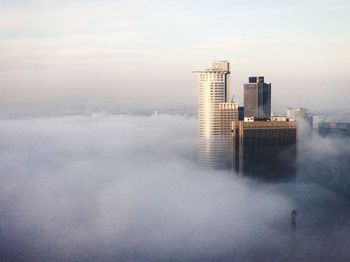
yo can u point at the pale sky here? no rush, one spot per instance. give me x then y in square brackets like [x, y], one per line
[143, 51]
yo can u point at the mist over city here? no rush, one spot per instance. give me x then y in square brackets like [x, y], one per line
[144, 130]
[121, 187]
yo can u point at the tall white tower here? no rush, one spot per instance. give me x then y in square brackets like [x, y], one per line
[215, 114]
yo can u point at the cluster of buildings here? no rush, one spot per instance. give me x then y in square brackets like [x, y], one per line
[247, 139]
[322, 125]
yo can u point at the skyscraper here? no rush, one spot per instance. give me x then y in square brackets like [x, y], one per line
[215, 115]
[257, 98]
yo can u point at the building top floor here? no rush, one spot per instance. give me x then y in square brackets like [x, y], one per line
[264, 125]
[268, 119]
[256, 79]
[217, 67]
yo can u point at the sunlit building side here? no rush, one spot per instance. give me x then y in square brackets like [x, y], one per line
[215, 114]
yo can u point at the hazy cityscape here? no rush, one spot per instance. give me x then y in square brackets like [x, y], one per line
[145, 130]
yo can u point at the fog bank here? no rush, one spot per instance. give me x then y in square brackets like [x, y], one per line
[128, 188]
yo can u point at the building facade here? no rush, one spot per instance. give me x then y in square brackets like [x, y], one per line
[257, 97]
[265, 147]
[215, 114]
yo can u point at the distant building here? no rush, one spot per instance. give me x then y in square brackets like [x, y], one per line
[297, 113]
[215, 114]
[300, 114]
[265, 147]
[316, 120]
[257, 97]
[333, 129]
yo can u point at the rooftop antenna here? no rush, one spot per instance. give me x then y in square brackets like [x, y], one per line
[293, 235]
[294, 214]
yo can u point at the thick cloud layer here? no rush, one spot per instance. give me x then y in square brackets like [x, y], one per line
[119, 187]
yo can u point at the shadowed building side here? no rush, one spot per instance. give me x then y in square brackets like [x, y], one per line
[265, 148]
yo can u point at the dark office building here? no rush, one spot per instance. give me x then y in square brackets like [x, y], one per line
[265, 148]
[241, 113]
[257, 97]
